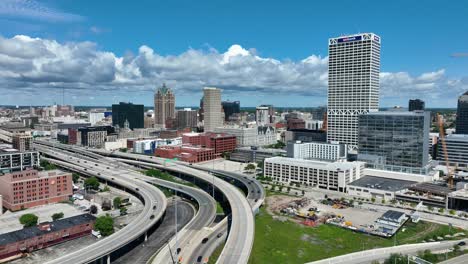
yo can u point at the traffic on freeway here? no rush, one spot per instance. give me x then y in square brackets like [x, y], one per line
[154, 207]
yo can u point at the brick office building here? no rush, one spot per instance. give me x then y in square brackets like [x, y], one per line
[29, 188]
[220, 142]
[296, 123]
[186, 153]
[45, 235]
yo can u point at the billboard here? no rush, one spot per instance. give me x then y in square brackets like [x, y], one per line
[349, 39]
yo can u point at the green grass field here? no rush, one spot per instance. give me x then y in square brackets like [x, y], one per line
[288, 242]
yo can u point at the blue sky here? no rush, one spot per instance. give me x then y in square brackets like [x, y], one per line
[188, 37]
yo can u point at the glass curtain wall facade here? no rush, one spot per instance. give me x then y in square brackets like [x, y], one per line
[395, 141]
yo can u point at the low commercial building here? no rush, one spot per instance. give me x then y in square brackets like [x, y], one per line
[220, 142]
[329, 175]
[148, 146]
[333, 151]
[458, 200]
[377, 187]
[13, 160]
[432, 175]
[44, 235]
[186, 153]
[305, 135]
[255, 154]
[29, 188]
[390, 222]
[428, 193]
[296, 123]
[251, 136]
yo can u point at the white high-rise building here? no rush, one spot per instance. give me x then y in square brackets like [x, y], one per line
[262, 115]
[213, 115]
[353, 84]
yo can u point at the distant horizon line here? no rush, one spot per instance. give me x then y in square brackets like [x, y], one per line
[110, 106]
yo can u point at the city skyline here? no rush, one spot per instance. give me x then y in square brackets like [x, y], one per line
[288, 71]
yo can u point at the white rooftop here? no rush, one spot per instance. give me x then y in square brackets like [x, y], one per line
[345, 165]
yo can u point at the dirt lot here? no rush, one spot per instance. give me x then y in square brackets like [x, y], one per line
[357, 216]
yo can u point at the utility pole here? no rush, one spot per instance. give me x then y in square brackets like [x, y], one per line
[176, 243]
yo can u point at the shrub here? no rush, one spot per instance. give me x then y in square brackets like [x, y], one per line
[28, 220]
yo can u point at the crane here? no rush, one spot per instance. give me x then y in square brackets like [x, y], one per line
[440, 121]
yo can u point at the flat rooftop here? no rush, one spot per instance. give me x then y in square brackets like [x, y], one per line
[382, 183]
[315, 163]
[426, 187]
[31, 232]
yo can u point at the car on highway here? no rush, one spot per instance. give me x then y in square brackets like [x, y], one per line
[462, 243]
[219, 235]
[152, 217]
[204, 240]
[199, 259]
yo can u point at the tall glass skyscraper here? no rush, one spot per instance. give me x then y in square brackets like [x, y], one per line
[128, 112]
[353, 84]
[395, 141]
[462, 115]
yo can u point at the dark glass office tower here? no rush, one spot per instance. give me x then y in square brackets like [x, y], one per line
[462, 115]
[395, 141]
[127, 111]
[416, 104]
[230, 108]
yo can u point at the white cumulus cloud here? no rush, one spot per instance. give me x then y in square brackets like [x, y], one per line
[34, 66]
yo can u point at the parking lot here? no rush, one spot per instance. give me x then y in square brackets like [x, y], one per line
[222, 164]
[10, 220]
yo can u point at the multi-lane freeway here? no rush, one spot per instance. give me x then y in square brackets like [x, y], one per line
[240, 239]
[154, 207]
[239, 243]
[207, 205]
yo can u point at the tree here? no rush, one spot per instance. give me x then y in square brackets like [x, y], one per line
[383, 201]
[441, 210]
[92, 183]
[105, 225]
[303, 192]
[123, 149]
[93, 209]
[123, 211]
[57, 216]
[47, 165]
[250, 167]
[396, 259]
[452, 212]
[28, 220]
[373, 199]
[260, 164]
[289, 189]
[75, 177]
[117, 202]
[430, 208]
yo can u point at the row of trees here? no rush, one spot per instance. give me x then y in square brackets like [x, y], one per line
[28, 220]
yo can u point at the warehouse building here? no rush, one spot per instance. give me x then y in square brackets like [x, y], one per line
[45, 235]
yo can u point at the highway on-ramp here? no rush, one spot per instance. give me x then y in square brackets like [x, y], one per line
[239, 243]
[154, 207]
